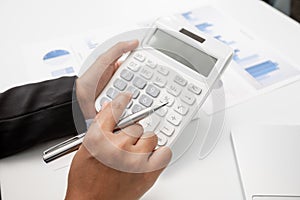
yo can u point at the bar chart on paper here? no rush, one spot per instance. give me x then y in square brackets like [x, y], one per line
[262, 67]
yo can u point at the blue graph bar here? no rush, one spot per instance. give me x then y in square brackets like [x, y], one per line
[187, 15]
[219, 37]
[62, 72]
[203, 27]
[262, 69]
[246, 59]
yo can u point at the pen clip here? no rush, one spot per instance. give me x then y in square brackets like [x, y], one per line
[64, 143]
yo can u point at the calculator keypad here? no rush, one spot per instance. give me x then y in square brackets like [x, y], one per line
[150, 83]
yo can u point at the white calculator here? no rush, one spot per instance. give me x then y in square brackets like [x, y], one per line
[174, 63]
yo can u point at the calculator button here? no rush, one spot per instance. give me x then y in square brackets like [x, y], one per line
[167, 130]
[145, 100]
[152, 91]
[136, 108]
[188, 98]
[135, 92]
[173, 89]
[160, 81]
[162, 139]
[146, 73]
[180, 108]
[195, 89]
[103, 100]
[140, 57]
[139, 82]
[167, 98]
[120, 84]
[174, 118]
[162, 111]
[150, 123]
[112, 93]
[151, 64]
[133, 66]
[127, 75]
[181, 81]
[163, 70]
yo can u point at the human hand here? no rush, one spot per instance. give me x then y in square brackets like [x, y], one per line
[92, 82]
[118, 166]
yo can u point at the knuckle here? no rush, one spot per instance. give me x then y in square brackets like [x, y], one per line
[121, 145]
[139, 126]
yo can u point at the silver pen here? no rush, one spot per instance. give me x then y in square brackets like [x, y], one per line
[73, 143]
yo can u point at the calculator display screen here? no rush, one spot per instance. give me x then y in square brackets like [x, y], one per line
[182, 52]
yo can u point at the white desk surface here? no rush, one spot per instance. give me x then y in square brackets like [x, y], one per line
[25, 176]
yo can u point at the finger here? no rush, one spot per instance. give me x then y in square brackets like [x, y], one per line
[110, 115]
[104, 105]
[98, 75]
[159, 159]
[146, 143]
[131, 134]
[117, 51]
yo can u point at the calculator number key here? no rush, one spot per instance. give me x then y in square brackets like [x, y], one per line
[136, 108]
[126, 75]
[152, 91]
[104, 100]
[139, 82]
[135, 92]
[145, 100]
[112, 93]
[120, 84]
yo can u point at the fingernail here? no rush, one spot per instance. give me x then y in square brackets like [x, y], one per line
[104, 105]
[121, 96]
[129, 94]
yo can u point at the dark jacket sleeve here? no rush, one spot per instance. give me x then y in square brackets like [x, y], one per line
[38, 112]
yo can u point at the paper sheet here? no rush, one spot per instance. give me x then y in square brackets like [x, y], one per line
[255, 68]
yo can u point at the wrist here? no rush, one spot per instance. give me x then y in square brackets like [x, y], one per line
[84, 100]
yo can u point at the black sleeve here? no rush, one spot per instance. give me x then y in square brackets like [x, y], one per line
[38, 112]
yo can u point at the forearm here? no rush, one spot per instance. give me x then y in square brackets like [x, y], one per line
[36, 113]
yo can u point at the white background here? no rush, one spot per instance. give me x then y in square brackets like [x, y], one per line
[24, 176]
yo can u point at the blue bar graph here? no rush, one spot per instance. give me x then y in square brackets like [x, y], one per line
[244, 60]
[187, 15]
[262, 69]
[219, 37]
[61, 72]
[204, 26]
